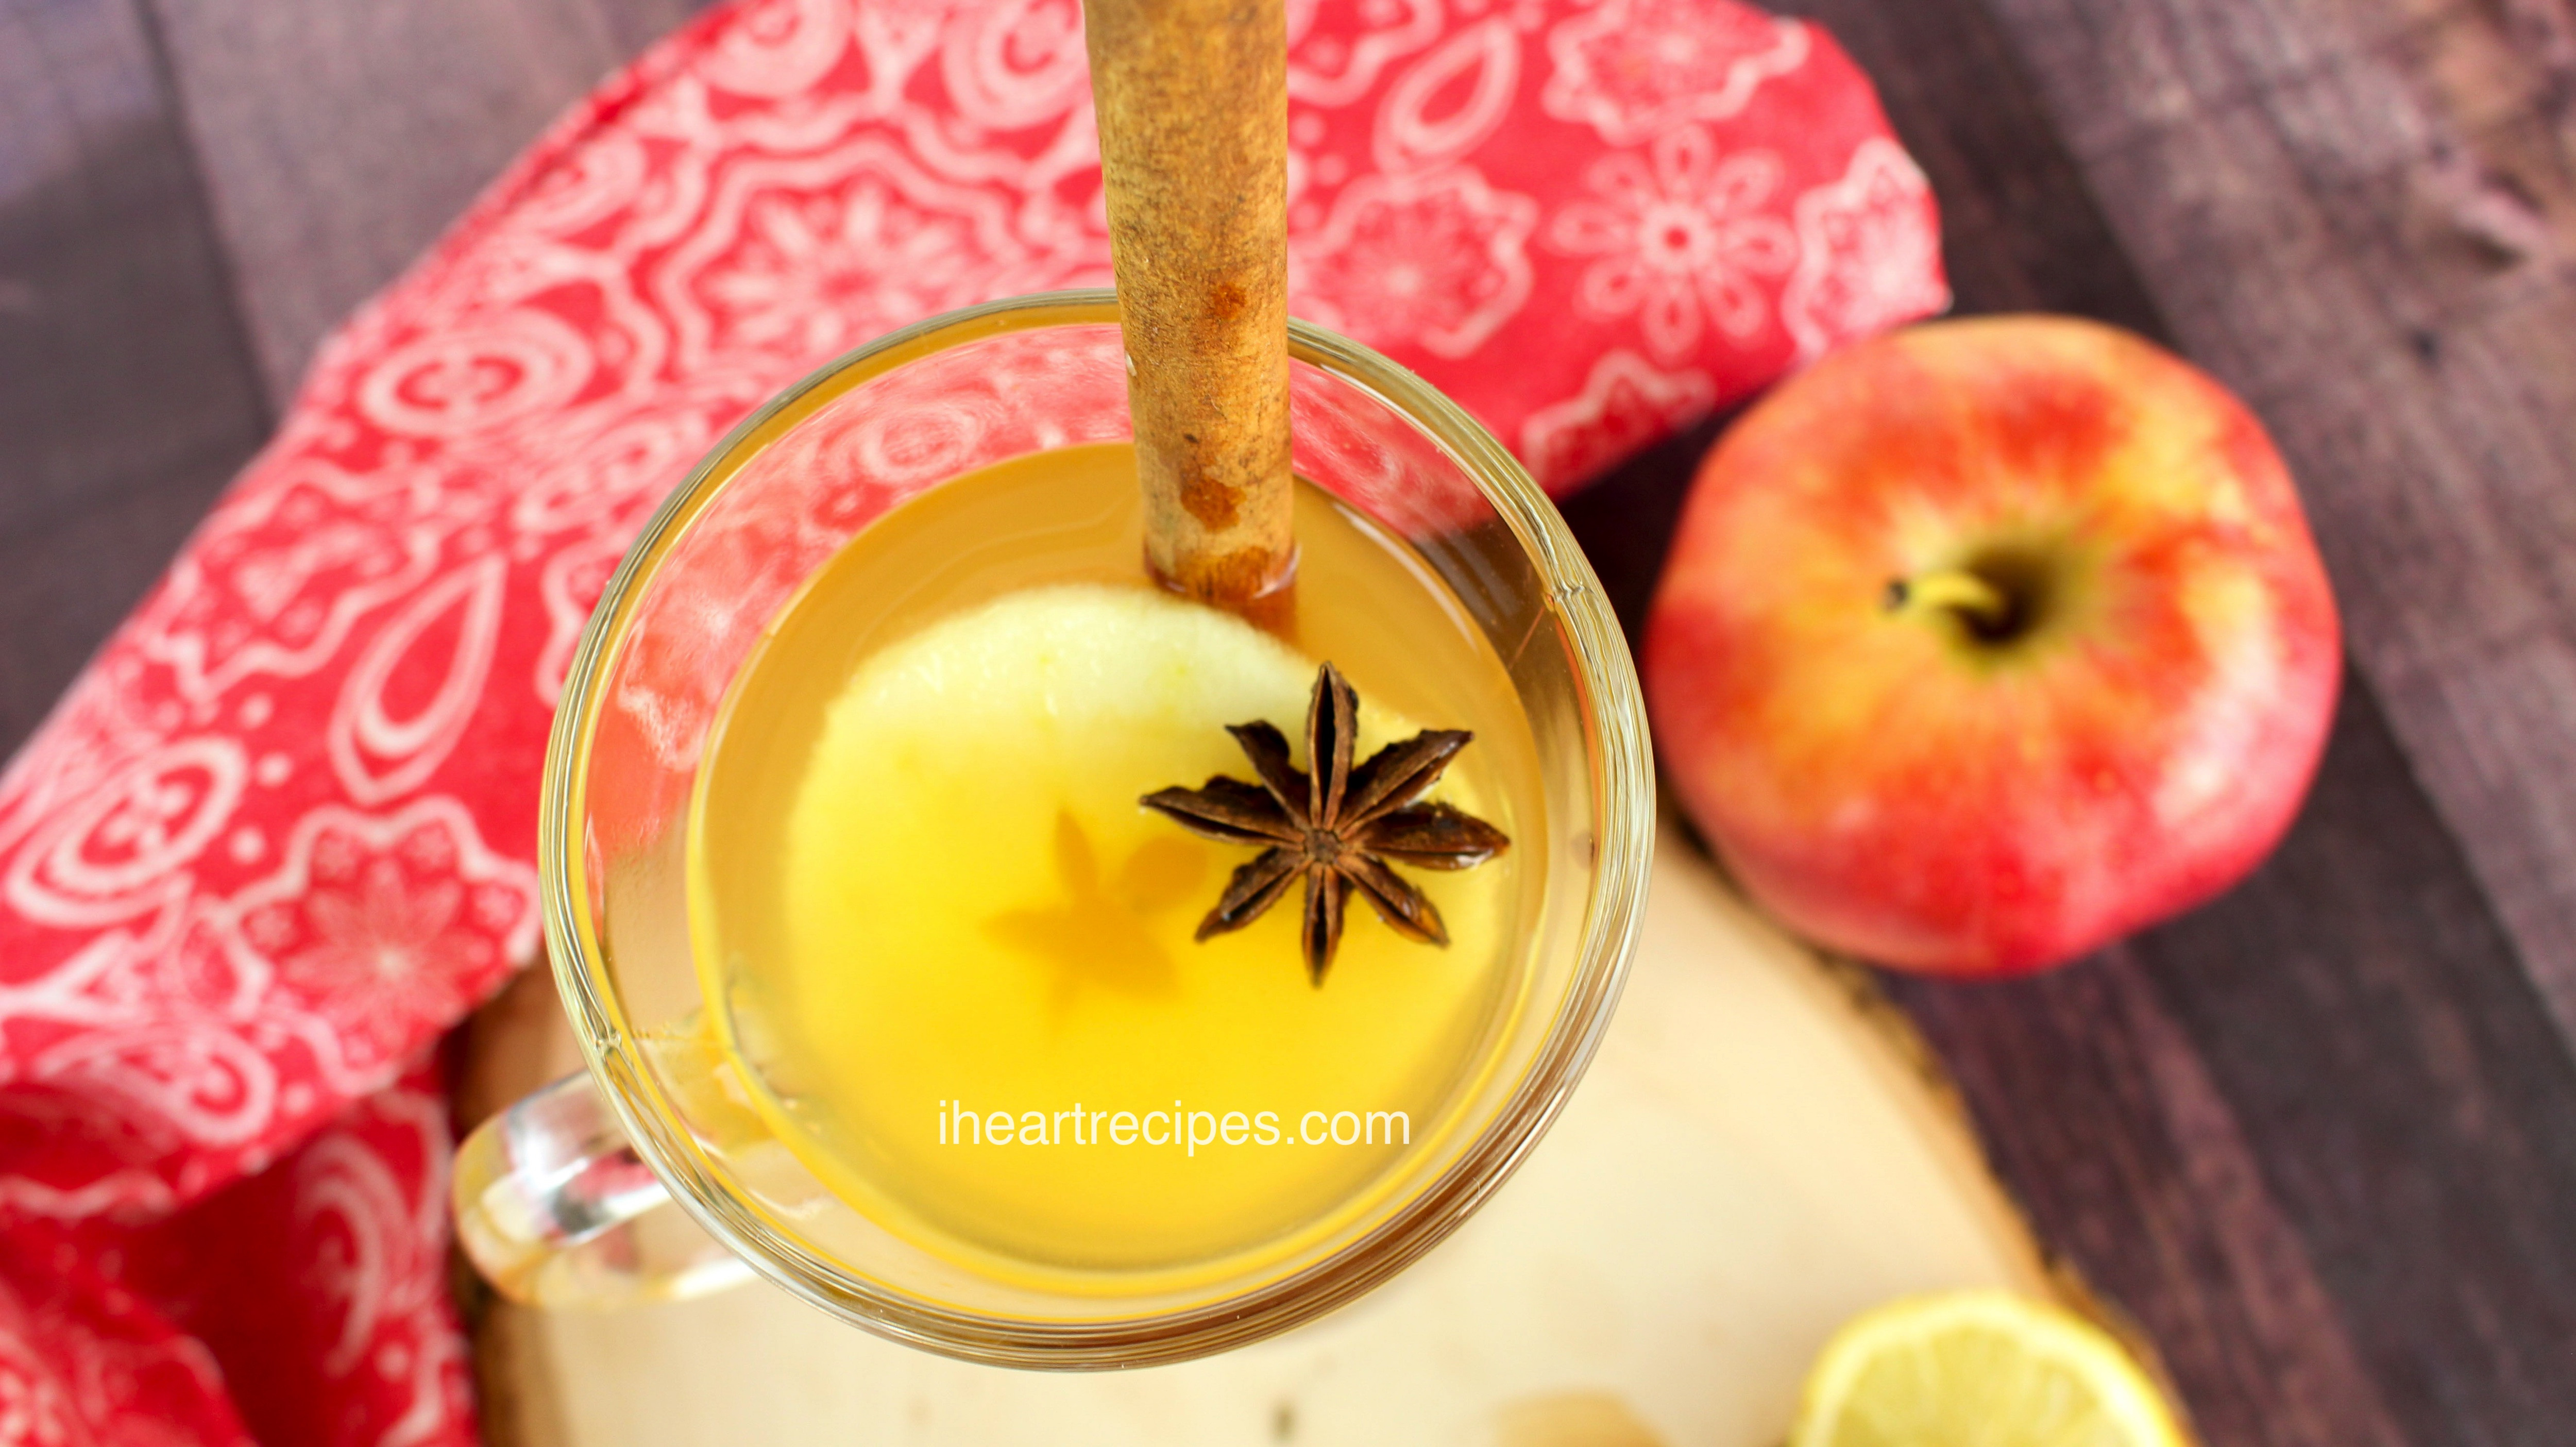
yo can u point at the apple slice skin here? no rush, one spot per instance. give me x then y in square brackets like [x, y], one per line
[1922, 790]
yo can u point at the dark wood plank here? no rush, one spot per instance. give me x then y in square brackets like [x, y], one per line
[2130, 1158]
[2315, 1138]
[67, 583]
[338, 140]
[127, 396]
[2347, 1159]
[2018, 230]
[2306, 1283]
[2425, 1145]
[2362, 214]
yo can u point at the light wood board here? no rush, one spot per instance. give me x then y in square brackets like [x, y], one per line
[1756, 1155]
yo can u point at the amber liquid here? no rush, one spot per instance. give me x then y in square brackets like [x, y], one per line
[922, 888]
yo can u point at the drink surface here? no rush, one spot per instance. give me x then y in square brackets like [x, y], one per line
[936, 922]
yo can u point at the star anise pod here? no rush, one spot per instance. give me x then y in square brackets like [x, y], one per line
[1338, 830]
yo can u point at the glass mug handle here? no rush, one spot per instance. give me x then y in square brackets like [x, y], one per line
[554, 1207]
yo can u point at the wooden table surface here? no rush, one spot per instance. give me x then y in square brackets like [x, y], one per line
[2319, 1138]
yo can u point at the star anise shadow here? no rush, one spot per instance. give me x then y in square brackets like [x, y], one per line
[1097, 937]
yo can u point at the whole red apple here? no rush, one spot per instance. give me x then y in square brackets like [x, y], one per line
[1989, 641]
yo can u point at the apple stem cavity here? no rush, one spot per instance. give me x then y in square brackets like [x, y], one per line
[1986, 610]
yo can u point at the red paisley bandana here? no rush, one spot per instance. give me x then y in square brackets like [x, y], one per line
[280, 837]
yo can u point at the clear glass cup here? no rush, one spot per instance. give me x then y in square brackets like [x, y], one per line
[645, 1178]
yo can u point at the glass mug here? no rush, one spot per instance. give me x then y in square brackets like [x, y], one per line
[644, 1179]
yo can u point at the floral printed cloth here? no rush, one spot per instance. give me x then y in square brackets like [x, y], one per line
[280, 837]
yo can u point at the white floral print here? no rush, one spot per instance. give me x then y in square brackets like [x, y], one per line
[1437, 260]
[1683, 239]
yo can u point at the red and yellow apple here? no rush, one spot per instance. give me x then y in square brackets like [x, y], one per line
[1989, 641]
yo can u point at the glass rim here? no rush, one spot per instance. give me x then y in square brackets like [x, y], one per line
[1623, 850]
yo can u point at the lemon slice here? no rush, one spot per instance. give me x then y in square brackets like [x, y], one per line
[1980, 1369]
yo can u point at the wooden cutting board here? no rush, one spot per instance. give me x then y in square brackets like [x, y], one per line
[1758, 1153]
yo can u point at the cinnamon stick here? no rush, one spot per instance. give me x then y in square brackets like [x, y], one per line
[1193, 106]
